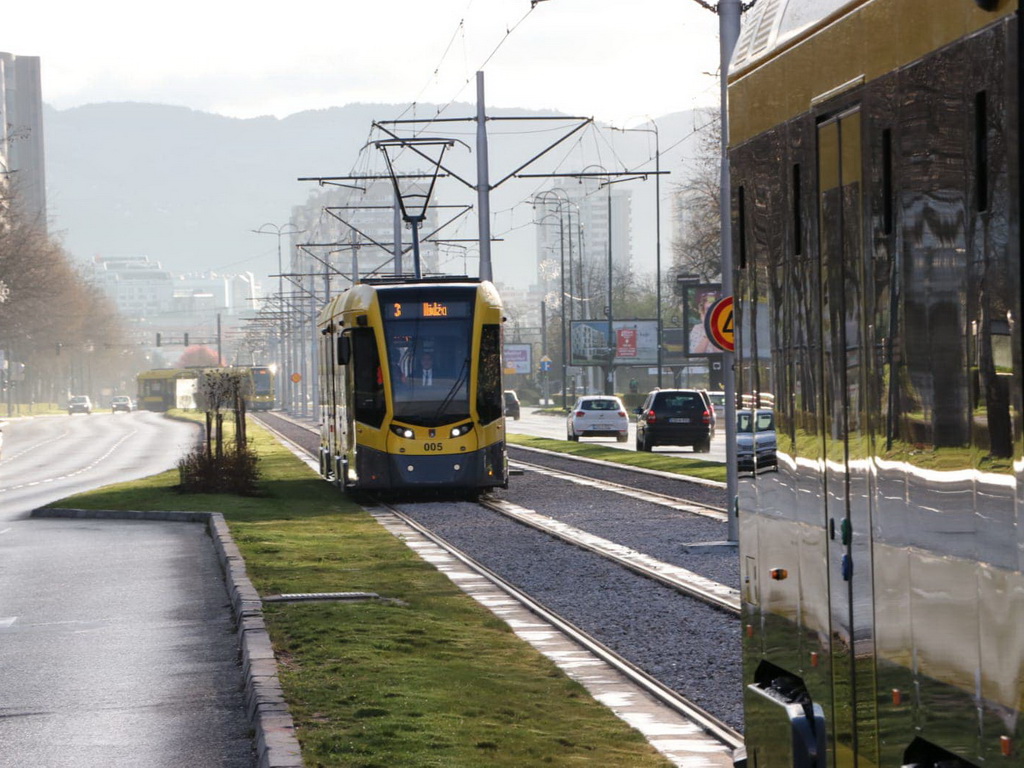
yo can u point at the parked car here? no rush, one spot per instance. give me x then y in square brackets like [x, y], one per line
[675, 417]
[755, 440]
[718, 401]
[598, 416]
[511, 405]
[122, 403]
[79, 404]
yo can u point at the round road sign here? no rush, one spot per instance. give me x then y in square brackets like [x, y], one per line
[718, 324]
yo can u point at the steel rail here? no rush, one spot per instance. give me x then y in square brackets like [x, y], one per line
[670, 698]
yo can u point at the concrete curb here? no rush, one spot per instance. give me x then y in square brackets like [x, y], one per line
[275, 740]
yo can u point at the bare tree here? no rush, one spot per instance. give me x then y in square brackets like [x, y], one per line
[62, 328]
[698, 249]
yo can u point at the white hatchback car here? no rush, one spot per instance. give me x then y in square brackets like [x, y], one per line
[598, 416]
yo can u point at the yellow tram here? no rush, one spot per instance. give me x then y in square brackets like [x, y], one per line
[411, 386]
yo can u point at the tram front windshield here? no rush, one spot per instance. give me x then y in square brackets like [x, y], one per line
[261, 381]
[429, 361]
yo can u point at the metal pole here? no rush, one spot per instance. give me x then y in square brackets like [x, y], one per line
[483, 182]
[728, 32]
[397, 236]
[657, 227]
[609, 384]
[220, 356]
[544, 348]
[561, 305]
[415, 247]
[283, 351]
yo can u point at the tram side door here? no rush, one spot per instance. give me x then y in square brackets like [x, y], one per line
[846, 446]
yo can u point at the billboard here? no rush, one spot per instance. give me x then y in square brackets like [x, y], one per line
[691, 339]
[518, 358]
[632, 342]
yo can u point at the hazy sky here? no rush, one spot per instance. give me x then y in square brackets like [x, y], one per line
[616, 60]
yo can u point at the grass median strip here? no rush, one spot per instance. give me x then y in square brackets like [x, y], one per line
[425, 678]
[707, 470]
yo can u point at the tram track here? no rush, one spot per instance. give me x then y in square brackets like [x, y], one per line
[710, 724]
[428, 520]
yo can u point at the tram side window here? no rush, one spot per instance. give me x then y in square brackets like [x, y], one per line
[366, 380]
[488, 391]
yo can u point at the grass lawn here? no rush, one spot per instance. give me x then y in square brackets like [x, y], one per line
[707, 470]
[429, 678]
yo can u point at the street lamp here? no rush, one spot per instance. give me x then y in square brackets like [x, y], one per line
[657, 225]
[542, 198]
[280, 230]
[561, 298]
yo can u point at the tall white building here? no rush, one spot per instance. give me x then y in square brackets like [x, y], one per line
[22, 159]
[574, 221]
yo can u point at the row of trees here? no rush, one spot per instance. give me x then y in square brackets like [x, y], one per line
[62, 328]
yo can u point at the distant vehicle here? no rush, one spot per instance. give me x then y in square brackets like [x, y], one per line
[164, 388]
[79, 404]
[511, 405]
[122, 403]
[711, 410]
[598, 416]
[675, 417]
[262, 396]
[718, 401]
[755, 440]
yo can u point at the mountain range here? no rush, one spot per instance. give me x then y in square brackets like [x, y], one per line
[187, 187]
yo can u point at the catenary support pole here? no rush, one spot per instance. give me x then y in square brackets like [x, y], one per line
[728, 33]
[483, 182]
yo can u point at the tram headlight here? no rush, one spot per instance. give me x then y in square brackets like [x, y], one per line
[405, 432]
[462, 429]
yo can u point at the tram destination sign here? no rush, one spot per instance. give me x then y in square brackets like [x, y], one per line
[427, 310]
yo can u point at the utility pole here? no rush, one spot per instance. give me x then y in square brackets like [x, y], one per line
[483, 182]
[728, 33]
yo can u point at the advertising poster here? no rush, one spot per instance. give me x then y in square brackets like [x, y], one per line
[518, 359]
[633, 342]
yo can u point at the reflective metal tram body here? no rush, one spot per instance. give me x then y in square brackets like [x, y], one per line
[875, 154]
[411, 387]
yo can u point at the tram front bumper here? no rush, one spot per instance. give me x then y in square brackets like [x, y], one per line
[485, 468]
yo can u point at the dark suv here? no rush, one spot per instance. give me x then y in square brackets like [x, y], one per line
[675, 417]
[511, 405]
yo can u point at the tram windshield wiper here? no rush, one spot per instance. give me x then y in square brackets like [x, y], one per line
[462, 379]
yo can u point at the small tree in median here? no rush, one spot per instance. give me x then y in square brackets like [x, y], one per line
[213, 468]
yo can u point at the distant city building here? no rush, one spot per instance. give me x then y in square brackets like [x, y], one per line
[523, 310]
[22, 161]
[153, 300]
[574, 220]
[140, 288]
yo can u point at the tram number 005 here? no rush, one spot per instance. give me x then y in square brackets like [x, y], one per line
[433, 446]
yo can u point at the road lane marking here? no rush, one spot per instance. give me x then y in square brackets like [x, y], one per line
[86, 468]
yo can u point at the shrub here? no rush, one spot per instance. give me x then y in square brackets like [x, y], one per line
[236, 470]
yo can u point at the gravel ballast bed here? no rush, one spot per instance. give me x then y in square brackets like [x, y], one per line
[690, 647]
[681, 488]
[648, 528]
